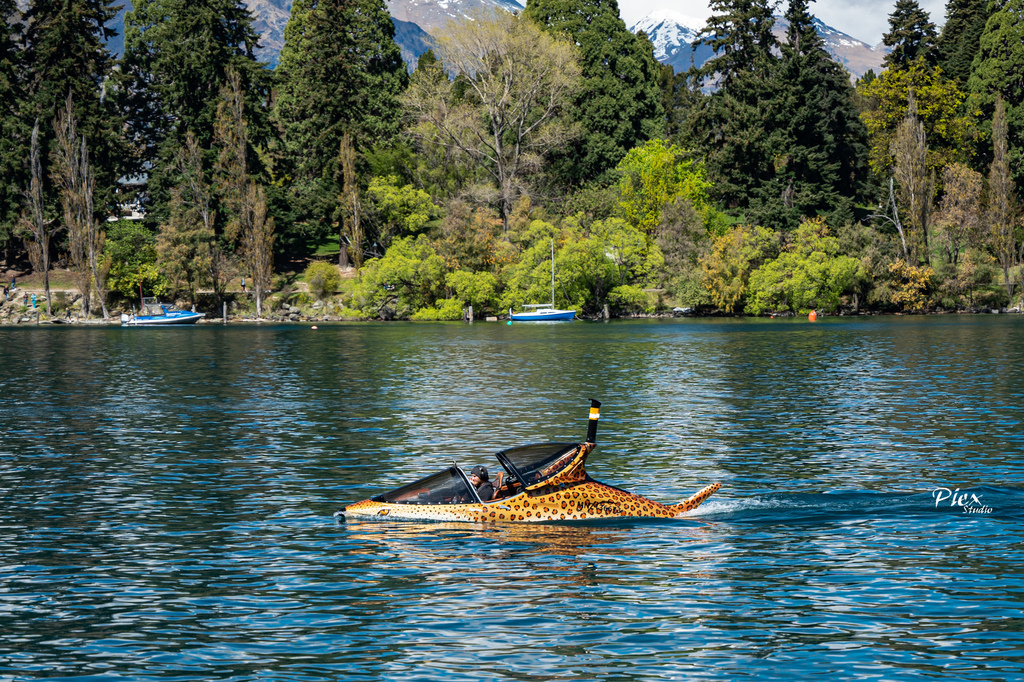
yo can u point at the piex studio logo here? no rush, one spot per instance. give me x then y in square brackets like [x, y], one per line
[969, 503]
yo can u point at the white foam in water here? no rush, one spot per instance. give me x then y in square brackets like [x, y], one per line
[732, 506]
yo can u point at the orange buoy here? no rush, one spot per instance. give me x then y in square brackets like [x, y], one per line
[813, 315]
[313, 327]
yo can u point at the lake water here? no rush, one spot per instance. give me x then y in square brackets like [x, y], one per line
[167, 500]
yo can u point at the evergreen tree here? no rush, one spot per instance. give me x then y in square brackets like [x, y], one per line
[680, 103]
[735, 125]
[740, 33]
[340, 72]
[618, 104]
[911, 35]
[960, 38]
[998, 71]
[819, 143]
[66, 55]
[12, 130]
[178, 54]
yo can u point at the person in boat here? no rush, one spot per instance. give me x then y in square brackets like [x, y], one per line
[484, 488]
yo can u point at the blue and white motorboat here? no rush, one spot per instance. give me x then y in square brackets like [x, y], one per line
[544, 312]
[156, 314]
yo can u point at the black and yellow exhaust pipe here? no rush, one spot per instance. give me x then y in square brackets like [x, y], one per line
[595, 415]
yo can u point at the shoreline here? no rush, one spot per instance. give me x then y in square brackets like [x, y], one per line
[38, 318]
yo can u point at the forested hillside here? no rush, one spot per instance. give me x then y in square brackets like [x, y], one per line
[761, 182]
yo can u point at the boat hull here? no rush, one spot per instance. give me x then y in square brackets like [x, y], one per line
[543, 316]
[161, 320]
[585, 500]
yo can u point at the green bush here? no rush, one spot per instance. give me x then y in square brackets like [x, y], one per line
[323, 278]
[449, 309]
[809, 274]
[409, 278]
[629, 299]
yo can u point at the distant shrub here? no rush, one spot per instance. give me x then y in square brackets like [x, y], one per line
[322, 277]
[910, 285]
[630, 299]
[449, 309]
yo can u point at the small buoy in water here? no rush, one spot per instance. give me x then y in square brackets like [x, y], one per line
[813, 315]
[509, 322]
[313, 327]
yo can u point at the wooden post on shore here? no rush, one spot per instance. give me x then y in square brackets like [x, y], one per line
[225, 312]
[605, 312]
[469, 314]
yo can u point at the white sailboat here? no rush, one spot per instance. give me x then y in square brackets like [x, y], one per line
[544, 312]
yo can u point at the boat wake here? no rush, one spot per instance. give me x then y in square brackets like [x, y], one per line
[983, 501]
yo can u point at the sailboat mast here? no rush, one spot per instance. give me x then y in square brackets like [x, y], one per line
[552, 273]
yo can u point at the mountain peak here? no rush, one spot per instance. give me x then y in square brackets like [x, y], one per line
[673, 35]
[669, 32]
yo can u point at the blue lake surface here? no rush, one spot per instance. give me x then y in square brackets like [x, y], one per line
[167, 500]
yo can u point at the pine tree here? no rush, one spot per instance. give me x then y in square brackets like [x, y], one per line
[66, 55]
[740, 33]
[998, 72]
[960, 38]
[819, 145]
[618, 104]
[13, 131]
[340, 71]
[911, 35]
[735, 127]
[178, 54]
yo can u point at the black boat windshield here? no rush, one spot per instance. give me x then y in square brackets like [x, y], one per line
[533, 464]
[447, 487]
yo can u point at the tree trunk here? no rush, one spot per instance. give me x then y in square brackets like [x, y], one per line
[342, 252]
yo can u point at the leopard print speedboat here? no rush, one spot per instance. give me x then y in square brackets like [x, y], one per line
[540, 482]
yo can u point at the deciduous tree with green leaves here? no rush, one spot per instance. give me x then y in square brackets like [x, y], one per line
[939, 102]
[401, 210]
[733, 257]
[809, 274]
[654, 174]
[506, 107]
[408, 278]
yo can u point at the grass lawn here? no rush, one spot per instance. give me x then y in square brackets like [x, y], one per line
[60, 280]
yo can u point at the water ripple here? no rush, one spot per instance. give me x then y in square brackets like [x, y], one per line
[168, 501]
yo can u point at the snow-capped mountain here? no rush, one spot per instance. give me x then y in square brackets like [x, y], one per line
[857, 56]
[673, 35]
[433, 14]
[668, 31]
